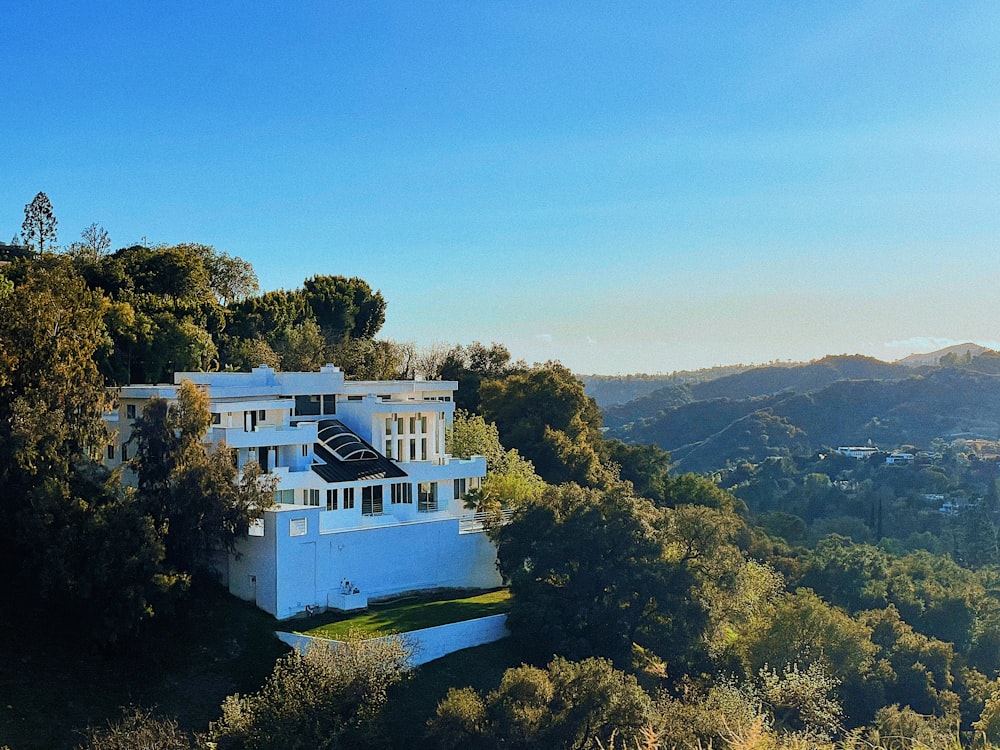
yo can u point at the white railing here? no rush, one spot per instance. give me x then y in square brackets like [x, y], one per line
[477, 521]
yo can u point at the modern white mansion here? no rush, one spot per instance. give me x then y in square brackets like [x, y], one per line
[368, 503]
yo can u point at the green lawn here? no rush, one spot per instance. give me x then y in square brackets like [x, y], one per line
[401, 618]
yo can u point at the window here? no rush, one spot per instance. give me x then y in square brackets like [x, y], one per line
[348, 498]
[388, 449]
[427, 496]
[307, 406]
[423, 424]
[413, 424]
[298, 527]
[413, 449]
[423, 449]
[371, 500]
[330, 403]
[256, 528]
[459, 489]
[312, 498]
[130, 411]
[111, 452]
[284, 497]
[305, 451]
[399, 425]
[124, 452]
[216, 418]
[261, 415]
[402, 492]
[331, 499]
[388, 425]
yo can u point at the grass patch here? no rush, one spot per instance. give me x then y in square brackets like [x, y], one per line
[401, 618]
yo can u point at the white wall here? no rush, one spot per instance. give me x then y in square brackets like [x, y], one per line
[429, 644]
[380, 561]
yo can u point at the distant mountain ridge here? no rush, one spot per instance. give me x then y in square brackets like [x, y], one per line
[797, 409]
[933, 358]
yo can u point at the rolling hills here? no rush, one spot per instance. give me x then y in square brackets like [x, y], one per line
[838, 400]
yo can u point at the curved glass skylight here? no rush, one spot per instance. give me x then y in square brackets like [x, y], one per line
[343, 443]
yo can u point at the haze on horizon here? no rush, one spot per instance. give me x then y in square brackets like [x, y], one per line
[642, 189]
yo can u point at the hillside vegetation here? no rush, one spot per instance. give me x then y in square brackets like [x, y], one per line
[789, 411]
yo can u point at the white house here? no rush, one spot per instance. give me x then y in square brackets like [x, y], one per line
[368, 503]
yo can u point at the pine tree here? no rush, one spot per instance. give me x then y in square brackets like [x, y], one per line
[39, 227]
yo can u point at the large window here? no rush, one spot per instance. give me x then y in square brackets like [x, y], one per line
[459, 489]
[402, 493]
[312, 497]
[284, 497]
[348, 498]
[427, 496]
[371, 500]
[331, 499]
[307, 406]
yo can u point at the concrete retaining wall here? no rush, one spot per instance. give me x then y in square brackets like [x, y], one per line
[429, 644]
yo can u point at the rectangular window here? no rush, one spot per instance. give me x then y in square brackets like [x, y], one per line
[330, 403]
[371, 500]
[284, 497]
[413, 449]
[348, 498]
[423, 424]
[306, 406]
[423, 449]
[256, 528]
[313, 498]
[388, 425]
[402, 493]
[399, 425]
[124, 452]
[130, 411]
[459, 489]
[427, 496]
[331, 499]
[413, 425]
[216, 418]
[111, 452]
[261, 415]
[298, 527]
[388, 449]
[305, 451]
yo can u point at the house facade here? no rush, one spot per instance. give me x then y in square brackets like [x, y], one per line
[368, 503]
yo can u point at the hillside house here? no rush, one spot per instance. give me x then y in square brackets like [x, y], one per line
[368, 502]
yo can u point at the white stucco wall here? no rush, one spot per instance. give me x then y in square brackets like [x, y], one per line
[429, 644]
[380, 561]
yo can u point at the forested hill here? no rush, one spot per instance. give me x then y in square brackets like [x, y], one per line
[733, 424]
[758, 381]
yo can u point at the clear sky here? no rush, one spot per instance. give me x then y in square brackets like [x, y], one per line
[625, 187]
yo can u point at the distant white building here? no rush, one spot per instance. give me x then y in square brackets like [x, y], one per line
[857, 451]
[368, 503]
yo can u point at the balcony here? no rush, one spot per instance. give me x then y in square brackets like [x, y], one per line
[236, 437]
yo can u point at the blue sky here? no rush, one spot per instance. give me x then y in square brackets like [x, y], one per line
[638, 187]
